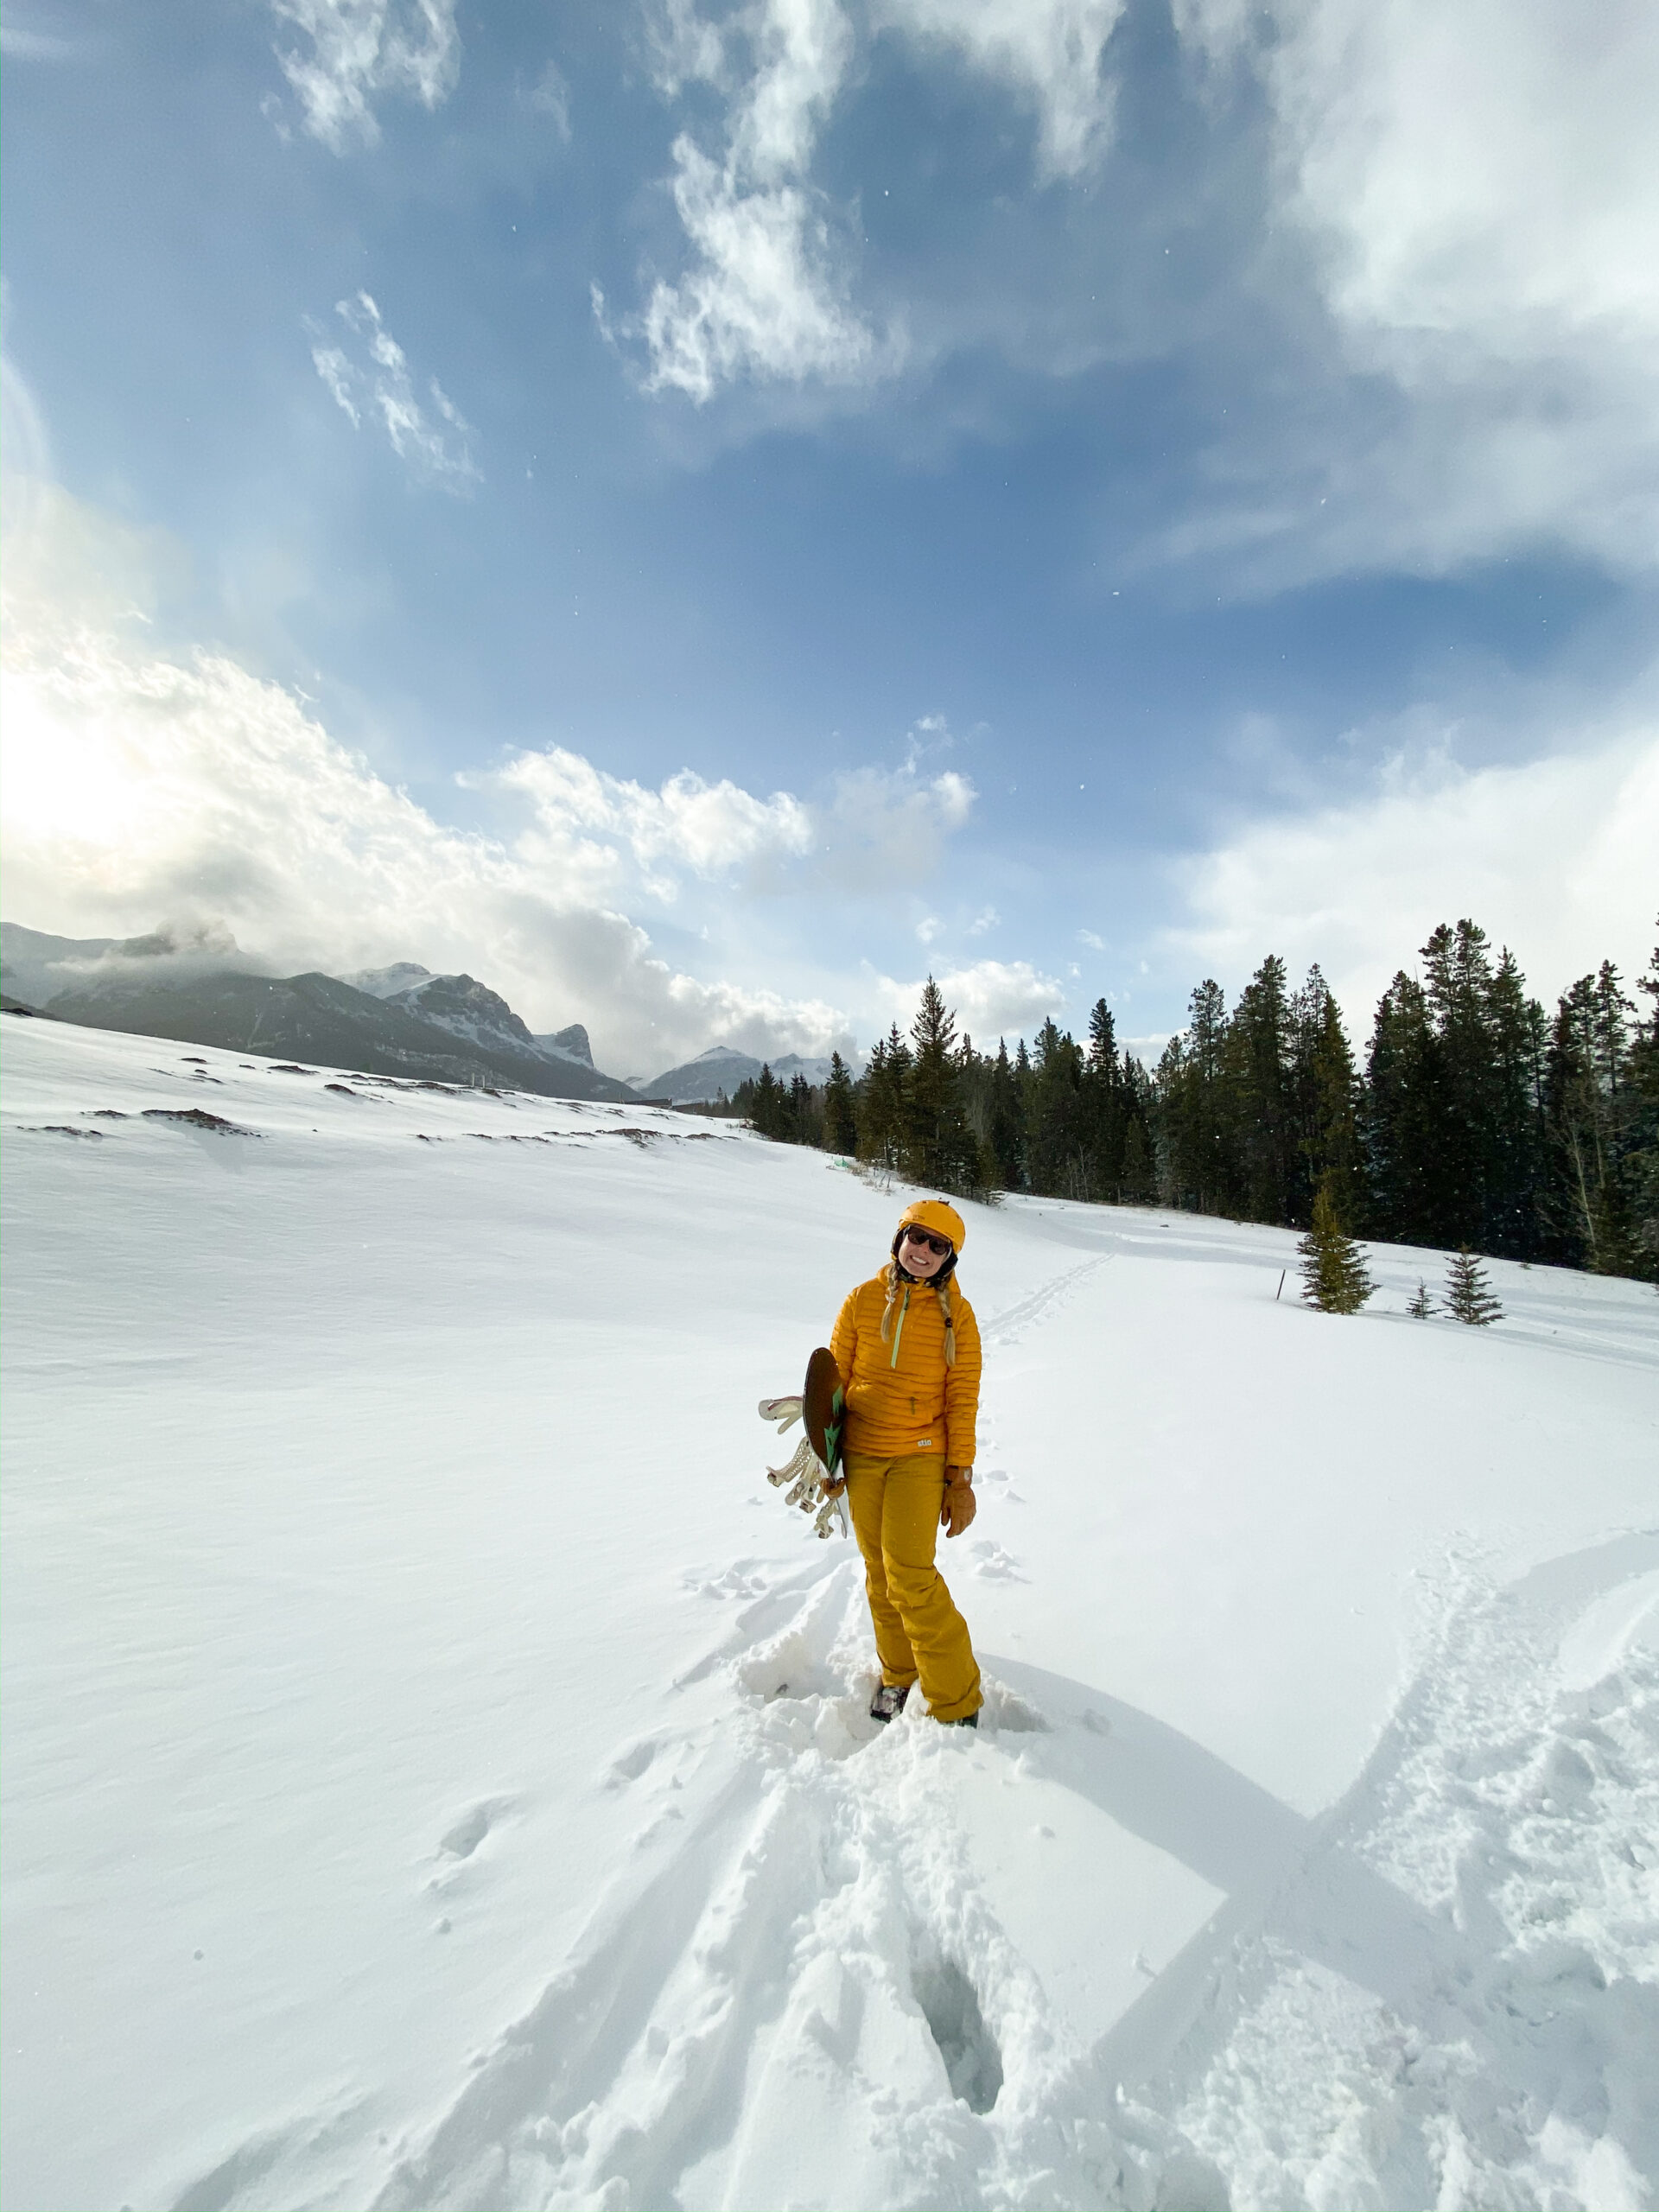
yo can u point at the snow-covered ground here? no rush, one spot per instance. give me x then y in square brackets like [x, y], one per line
[436, 1767]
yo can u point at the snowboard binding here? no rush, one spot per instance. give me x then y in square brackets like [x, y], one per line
[809, 1478]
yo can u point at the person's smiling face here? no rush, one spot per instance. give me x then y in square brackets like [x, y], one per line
[922, 1253]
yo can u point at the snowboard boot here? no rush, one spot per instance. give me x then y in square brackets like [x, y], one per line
[968, 1720]
[888, 1702]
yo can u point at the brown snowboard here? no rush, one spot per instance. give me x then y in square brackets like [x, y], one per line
[824, 1411]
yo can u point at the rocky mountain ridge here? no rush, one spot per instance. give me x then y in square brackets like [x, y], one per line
[400, 1020]
[198, 986]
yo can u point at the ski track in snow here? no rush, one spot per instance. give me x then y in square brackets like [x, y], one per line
[1445, 1992]
[1010, 1326]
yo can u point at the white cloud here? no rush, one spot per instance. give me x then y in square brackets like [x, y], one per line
[880, 822]
[550, 96]
[139, 785]
[928, 928]
[25, 455]
[616, 836]
[988, 918]
[766, 295]
[1479, 185]
[1555, 858]
[990, 998]
[363, 47]
[583, 816]
[22, 40]
[381, 386]
[1094, 944]
[1050, 52]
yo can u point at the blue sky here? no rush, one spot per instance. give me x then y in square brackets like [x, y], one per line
[701, 515]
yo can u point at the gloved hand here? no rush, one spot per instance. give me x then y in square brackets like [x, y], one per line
[958, 1510]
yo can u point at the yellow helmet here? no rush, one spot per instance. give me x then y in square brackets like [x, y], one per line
[934, 1214]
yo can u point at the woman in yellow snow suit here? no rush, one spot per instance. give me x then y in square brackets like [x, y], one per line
[907, 1346]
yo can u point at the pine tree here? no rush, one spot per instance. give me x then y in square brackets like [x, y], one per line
[1138, 1182]
[1139, 1186]
[1325, 1090]
[939, 1148]
[1469, 1296]
[1007, 1131]
[1591, 1104]
[1639, 1169]
[768, 1109]
[1402, 1116]
[840, 1113]
[1458, 981]
[1057, 1149]
[1260, 1150]
[803, 1120]
[884, 1101]
[1195, 1160]
[1422, 1305]
[1516, 1206]
[1334, 1275]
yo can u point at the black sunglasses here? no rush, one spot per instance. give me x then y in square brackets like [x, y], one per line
[939, 1244]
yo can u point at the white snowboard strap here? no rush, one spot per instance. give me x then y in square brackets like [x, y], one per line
[805, 1473]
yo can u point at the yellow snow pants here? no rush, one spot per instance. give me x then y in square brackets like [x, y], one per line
[918, 1632]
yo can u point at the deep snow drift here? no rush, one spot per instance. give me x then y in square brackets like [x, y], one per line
[436, 1766]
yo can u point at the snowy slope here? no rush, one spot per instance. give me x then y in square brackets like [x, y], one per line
[437, 1772]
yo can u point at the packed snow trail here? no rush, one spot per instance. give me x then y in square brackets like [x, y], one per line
[1445, 1991]
[438, 1769]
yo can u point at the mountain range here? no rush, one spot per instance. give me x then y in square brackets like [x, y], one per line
[199, 987]
[202, 990]
[723, 1068]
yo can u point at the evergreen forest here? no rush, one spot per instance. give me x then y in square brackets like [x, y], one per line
[1477, 1120]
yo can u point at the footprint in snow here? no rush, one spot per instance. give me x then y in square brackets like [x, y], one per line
[463, 1837]
[736, 1582]
[997, 1485]
[631, 1763]
[993, 1564]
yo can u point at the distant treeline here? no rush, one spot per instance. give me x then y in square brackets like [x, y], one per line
[1478, 1121]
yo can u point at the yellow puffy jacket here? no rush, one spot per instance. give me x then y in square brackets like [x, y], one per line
[902, 1395]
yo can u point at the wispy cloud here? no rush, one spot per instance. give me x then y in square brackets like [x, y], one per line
[1048, 52]
[550, 96]
[877, 823]
[29, 34]
[1476, 189]
[379, 386]
[766, 295]
[360, 48]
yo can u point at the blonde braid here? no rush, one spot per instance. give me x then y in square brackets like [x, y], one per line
[893, 1300]
[950, 1326]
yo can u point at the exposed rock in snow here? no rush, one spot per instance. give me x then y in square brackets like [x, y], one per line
[569, 1044]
